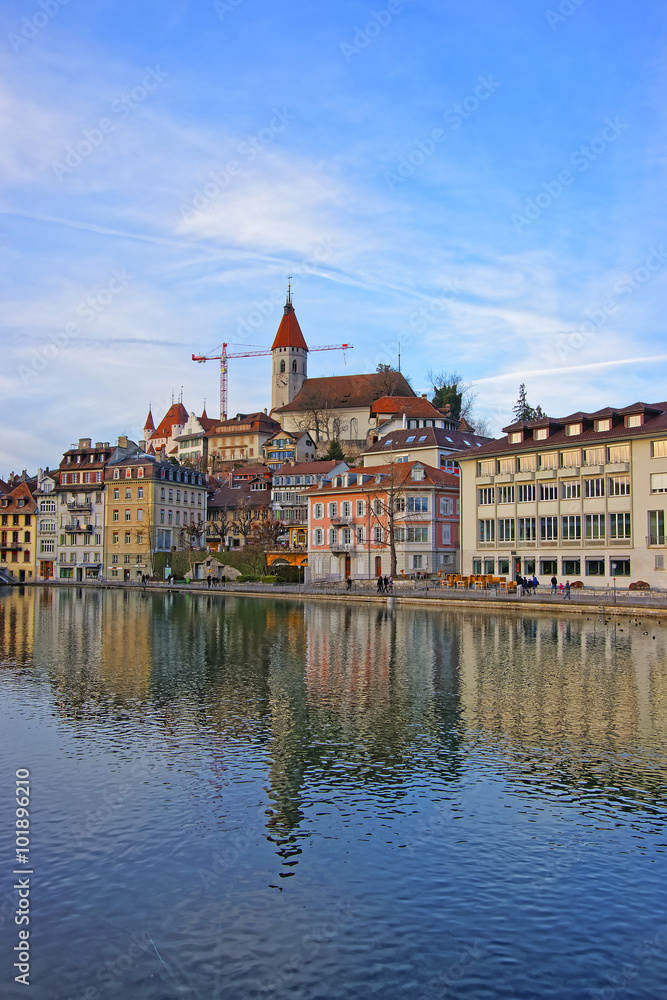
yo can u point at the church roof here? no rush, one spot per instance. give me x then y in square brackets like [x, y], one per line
[176, 414]
[345, 391]
[289, 332]
[149, 425]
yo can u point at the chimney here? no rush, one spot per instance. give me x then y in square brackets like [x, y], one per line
[424, 395]
[122, 441]
[84, 442]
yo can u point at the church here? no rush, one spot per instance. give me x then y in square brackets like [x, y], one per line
[334, 408]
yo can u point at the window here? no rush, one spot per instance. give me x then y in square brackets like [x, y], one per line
[333, 509]
[446, 505]
[128, 538]
[659, 482]
[114, 538]
[477, 567]
[505, 494]
[116, 493]
[417, 505]
[128, 515]
[634, 420]
[140, 473]
[526, 493]
[619, 486]
[619, 567]
[516, 437]
[416, 562]
[619, 526]
[162, 493]
[527, 463]
[570, 459]
[503, 567]
[541, 433]
[506, 529]
[486, 468]
[171, 496]
[593, 488]
[294, 367]
[548, 491]
[162, 517]
[548, 567]
[593, 456]
[527, 529]
[595, 567]
[417, 473]
[140, 539]
[361, 535]
[659, 448]
[619, 453]
[548, 529]
[318, 536]
[376, 534]
[573, 429]
[399, 505]
[361, 508]
[115, 515]
[178, 497]
[346, 509]
[446, 534]
[506, 466]
[48, 545]
[603, 425]
[128, 493]
[571, 527]
[282, 366]
[116, 473]
[656, 527]
[98, 539]
[549, 460]
[571, 567]
[571, 490]
[594, 526]
[417, 534]
[659, 561]
[486, 530]
[318, 510]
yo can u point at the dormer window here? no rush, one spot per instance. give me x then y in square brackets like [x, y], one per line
[603, 425]
[417, 473]
[541, 433]
[516, 437]
[634, 420]
[116, 473]
[573, 429]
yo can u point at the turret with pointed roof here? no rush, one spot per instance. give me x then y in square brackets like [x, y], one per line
[149, 426]
[290, 357]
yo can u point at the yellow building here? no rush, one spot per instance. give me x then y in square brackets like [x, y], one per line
[150, 507]
[18, 523]
[577, 497]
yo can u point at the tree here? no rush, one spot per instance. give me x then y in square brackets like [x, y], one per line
[450, 387]
[192, 538]
[386, 499]
[320, 417]
[335, 452]
[522, 408]
[219, 524]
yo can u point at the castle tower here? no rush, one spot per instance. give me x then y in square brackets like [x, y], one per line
[290, 358]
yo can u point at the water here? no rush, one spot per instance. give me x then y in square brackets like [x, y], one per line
[238, 798]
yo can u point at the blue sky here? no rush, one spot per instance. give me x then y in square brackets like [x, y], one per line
[483, 182]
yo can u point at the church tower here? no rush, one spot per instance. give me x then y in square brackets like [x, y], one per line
[290, 358]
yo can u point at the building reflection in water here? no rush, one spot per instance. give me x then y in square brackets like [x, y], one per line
[347, 700]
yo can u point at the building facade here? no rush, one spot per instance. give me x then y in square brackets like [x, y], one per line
[151, 507]
[79, 501]
[286, 446]
[581, 497]
[18, 525]
[352, 520]
[239, 439]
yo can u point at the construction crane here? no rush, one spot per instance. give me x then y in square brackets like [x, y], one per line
[224, 357]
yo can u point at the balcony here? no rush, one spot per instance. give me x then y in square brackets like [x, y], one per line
[341, 520]
[546, 473]
[11, 546]
[573, 471]
[86, 529]
[655, 539]
[79, 506]
[343, 546]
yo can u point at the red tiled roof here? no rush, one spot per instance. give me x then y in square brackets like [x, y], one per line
[655, 423]
[412, 406]
[176, 414]
[401, 473]
[289, 332]
[20, 492]
[307, 467]
[149, 425]
[341, 391]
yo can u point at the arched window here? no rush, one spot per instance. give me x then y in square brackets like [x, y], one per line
[354, 429]
[282, 366]
[294, 367]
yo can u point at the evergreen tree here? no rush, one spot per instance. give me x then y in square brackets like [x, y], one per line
[335, 452]
[522, 408]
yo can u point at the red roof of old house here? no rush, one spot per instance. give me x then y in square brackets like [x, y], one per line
[341, 391]
[398, 475]
[412, 406]
[313, 468]
[20, 492]
[176, 414]
[289, 332]
[149, 425]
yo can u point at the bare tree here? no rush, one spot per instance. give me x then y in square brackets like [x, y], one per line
[191, 536]
[219, 524]
[387, 502]
[320, 417]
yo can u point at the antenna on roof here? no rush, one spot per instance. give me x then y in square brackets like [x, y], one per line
[172, 396]
[399, 356]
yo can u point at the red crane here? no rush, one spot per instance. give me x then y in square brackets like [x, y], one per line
[224, 357]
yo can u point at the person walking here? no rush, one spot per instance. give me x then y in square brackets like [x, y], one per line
[567, 591]
[391, 583]
[554, 584]
[519, 585]
[348, 585]
[386, 584]
[380, 584]
[535, 583]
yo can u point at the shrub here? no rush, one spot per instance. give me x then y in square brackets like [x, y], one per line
[640, 585]
[269, 579]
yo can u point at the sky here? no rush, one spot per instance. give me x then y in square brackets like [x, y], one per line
[481, 182]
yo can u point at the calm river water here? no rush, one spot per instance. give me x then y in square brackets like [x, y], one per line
[237, 798]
